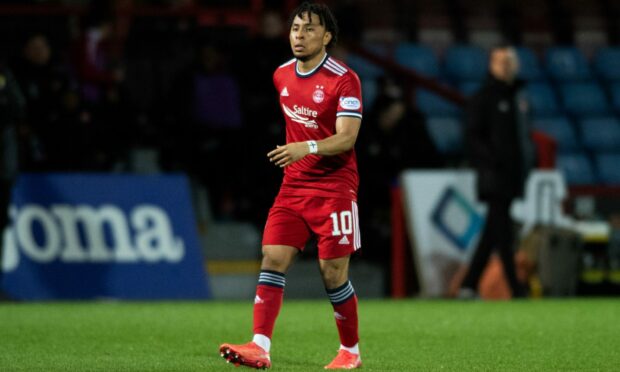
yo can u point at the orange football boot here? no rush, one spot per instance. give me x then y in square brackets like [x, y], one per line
[345, 360]
[249, 355]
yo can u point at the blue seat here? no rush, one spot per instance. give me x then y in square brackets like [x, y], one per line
[608, 169]
[469, 88]
[601, 134]
[566, 64]
[542, 99]
[615, 96]
[364, 68]
[607, 63]
[370, 91]
[529, 66]
[431, 104]
[466, 63]
[560, 128]
[585, 98]
[576, 168]
[447, 134]
[419, 58]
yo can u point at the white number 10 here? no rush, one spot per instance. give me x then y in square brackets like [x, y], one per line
[344, 226]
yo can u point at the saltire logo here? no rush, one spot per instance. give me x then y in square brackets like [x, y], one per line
[295, 115]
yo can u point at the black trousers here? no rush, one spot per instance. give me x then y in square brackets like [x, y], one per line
[497, 234]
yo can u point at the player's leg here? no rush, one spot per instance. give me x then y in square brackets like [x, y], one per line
[344, 301]
[285, 234]
[267, 303]
[336, 225]
[335, 274]
[270, 291]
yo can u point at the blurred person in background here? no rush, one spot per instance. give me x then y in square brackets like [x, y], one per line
[394, 139]
[101, 77]
[45, 87]
[499, 149]
[98, 69]
[321, 101]
[350, 19]
[206, 106]
[268, 48]
[12, 112]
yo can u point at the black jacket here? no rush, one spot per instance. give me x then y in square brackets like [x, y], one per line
[12, 111]
[497, 138]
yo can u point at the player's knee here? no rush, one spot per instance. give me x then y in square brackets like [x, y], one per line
[333, 276]
[277, 258]
[274, 262]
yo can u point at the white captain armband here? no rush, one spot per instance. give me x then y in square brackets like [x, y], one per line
[313, 147]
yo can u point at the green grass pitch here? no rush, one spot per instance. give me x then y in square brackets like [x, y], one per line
[411, 335]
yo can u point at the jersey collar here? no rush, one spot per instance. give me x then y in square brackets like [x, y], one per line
[311, 72]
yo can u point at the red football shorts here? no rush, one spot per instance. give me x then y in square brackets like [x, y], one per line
[334, 221]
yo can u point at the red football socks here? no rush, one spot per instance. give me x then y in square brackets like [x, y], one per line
[344, 301]
[268, 301]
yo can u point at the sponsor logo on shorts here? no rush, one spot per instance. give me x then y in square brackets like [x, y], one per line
[344, 240]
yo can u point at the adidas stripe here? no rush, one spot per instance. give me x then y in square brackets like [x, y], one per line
[341, 294]
[272, 278]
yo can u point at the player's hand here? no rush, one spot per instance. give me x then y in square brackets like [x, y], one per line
[286, 155]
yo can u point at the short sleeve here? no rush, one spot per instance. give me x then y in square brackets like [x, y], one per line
[350, 96]
[275, 80]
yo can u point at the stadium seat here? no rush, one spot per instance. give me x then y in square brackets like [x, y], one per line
[601, 134]
[615, 96]
[466, 63]
[566, 64]
[585, 98]
[608, 169]
[576, 168]
[607, 63]
[447, 134]
[542, 99]
[470, 88]
[364, 68]
[419, 58]
[560, 129]
[433, 105]
[529, 65]
[370, 90]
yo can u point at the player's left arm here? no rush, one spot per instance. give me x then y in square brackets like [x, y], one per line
[347, 128]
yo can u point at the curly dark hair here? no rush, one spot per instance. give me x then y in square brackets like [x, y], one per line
[326, 18]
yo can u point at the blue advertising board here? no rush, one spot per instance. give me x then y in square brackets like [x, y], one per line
[87, 236]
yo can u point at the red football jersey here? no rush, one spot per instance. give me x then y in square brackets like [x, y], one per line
[311, 102]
